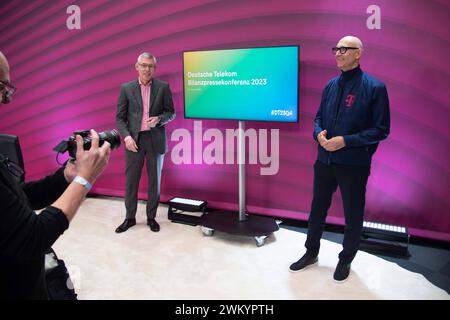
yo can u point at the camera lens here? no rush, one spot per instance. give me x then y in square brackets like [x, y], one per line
[112, 136]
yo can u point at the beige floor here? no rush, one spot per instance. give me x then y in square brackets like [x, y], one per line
[180, 262]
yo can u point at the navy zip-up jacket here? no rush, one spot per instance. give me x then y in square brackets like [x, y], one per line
[362, 117]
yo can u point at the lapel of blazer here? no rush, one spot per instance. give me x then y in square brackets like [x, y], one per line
[155, 88]
[137, 94]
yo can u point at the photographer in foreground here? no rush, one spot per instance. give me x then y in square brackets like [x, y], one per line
[26, 236]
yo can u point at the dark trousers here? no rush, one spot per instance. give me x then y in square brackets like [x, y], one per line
[134, 163]
[352, 181]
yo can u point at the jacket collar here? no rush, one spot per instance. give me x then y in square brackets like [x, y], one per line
[350, 75]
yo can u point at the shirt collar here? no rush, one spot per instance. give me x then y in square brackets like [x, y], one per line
[149, 84]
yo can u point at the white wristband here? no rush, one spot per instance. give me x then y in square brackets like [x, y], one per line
[83, 182]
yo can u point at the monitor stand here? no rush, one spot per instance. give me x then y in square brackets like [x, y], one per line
[240, 223]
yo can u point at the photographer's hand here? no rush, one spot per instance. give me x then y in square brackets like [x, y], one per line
[90, 164]
[70, 171]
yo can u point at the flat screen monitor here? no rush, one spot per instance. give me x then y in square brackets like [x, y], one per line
[259, 84]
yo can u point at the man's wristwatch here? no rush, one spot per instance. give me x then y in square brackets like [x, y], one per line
[83, 182]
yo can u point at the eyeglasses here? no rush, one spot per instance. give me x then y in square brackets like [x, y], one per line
[8, 88]
[146, 66]
[342, 50]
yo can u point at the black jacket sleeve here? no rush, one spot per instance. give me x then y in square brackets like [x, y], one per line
[23, 233]
[43, 192]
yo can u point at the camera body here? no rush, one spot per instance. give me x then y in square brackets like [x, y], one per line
[70, 145]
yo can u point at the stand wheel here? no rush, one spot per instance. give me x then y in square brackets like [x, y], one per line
[208, 232]
[260, 241]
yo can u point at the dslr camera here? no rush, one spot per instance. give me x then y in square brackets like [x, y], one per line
[112, 136]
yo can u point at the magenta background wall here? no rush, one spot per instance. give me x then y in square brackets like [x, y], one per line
[69, 79]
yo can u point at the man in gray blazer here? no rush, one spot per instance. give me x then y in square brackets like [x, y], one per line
[145, 105]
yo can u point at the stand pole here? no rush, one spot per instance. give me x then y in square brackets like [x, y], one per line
[241, 162]
[240, 223]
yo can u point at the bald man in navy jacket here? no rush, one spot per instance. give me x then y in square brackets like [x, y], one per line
[352, 119]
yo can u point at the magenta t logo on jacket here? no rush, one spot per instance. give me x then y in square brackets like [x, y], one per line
[349, 100]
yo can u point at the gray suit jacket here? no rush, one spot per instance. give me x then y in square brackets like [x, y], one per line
[129, 111]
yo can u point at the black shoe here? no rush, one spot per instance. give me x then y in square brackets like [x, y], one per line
[342, 271]
[128, 223]
[154, 226]
[305, 261]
